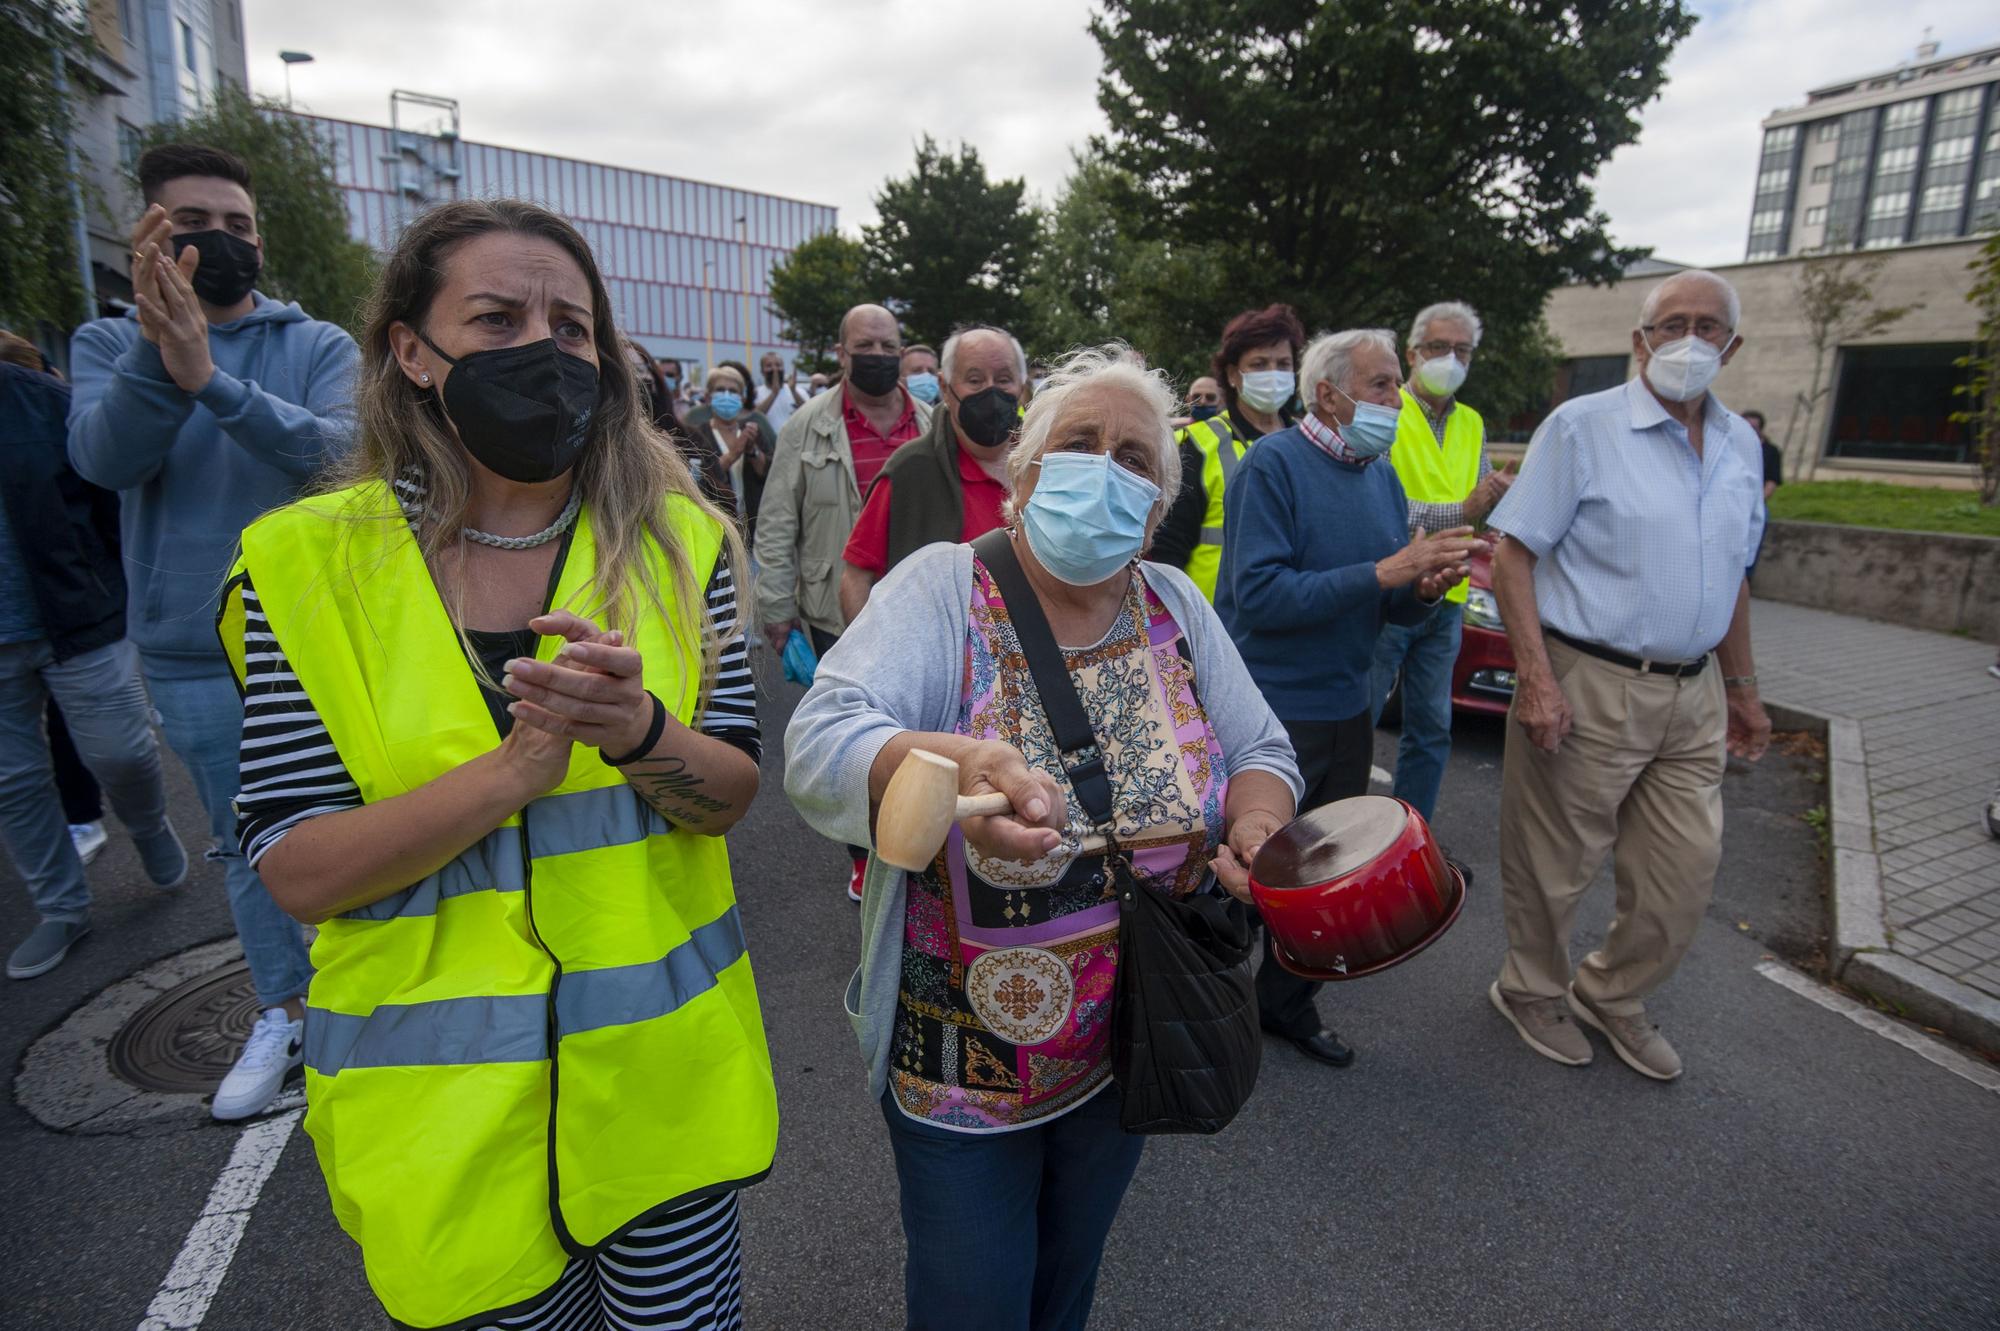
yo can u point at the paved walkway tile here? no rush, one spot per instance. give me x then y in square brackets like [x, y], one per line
[1930, 727]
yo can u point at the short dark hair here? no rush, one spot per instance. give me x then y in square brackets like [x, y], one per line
[1250, 330]
[1761, 422]
[171, 161]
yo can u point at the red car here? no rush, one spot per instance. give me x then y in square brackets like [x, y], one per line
[1483, 679]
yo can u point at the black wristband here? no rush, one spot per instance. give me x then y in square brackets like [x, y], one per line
[653, 733]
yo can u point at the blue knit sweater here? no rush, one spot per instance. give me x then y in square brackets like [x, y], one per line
[1302, 532]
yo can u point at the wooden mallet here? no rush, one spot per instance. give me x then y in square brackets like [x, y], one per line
[920, 806]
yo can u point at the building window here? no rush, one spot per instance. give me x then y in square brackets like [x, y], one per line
[126, 23]
[1950, 152]
[1780, 140]
[1767, 221]
[1895, 404]
[187, 47]
[1828, 131]
[1903, 113]
[1822, 173]
[1962, 103]
[1940, 198]
[1816, 216]
[129, 139]
[1896, 159]
[1774, 181]
[1764, 251]
[1888, 205]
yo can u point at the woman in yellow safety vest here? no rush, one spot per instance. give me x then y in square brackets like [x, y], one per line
[1256, 367]
[497, 716]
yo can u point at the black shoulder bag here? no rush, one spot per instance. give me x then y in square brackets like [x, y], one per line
[1185, 1043]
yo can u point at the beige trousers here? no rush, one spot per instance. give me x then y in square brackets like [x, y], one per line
[1640, 775]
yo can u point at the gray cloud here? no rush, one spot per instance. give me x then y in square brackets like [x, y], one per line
[822, 101]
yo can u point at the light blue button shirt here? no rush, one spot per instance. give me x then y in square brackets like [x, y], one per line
[1641, 545]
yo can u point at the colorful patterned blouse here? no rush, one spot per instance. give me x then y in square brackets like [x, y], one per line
[1002, 1019]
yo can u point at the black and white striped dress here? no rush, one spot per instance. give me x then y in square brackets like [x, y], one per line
[682, 1269]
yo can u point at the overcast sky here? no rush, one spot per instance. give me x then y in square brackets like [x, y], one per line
[821, 99]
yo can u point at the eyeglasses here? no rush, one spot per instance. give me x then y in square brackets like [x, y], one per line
[1675, 329]
[1433, 350]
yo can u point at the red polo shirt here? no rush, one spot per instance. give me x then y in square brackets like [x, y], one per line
[871, 447]
[868, 547]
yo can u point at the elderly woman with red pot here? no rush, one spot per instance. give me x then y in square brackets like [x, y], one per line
[982, 1002]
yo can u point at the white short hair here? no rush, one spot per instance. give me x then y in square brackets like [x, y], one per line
[948, 360]
[1329, 358]
[1457, 311]
[1112, 365]
[1658, 293]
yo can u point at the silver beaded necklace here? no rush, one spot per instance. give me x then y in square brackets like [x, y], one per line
[562, 524]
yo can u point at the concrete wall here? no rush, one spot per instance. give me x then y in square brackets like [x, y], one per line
[1774, 364]
[1948, 584]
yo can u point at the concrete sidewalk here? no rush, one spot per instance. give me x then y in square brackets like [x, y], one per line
[1914, 755]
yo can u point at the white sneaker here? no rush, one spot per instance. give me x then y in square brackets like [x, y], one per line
[276, 1045]
[88, 838]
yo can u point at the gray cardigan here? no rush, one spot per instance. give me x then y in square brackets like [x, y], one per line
[899, 667]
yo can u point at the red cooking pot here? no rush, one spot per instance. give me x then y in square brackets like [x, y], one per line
[1354, 887]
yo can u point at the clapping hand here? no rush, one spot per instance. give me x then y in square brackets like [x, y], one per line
[594, 691]
[170, 314]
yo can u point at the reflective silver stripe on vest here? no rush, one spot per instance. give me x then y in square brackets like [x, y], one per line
[557, 825]
[514, 1028]
[1225, 452]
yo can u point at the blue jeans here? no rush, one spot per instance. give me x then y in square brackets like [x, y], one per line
[105, 709]
[1006, 1230]
[1425, 653]
[203, 721]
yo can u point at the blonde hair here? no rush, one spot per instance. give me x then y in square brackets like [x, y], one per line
[624, 477]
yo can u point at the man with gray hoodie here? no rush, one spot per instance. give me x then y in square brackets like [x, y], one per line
[204, 407]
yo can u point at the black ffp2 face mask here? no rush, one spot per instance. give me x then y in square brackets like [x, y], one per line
[522, 412]
[874, 373]
[989, 416]
[228, 268]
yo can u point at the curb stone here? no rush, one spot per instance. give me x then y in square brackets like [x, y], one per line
[1862, 957]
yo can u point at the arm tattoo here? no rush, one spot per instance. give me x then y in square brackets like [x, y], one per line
[668, 785]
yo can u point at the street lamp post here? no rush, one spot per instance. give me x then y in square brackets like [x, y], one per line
[743, 282]
[292, 58]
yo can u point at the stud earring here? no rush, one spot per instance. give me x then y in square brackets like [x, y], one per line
[423, 378]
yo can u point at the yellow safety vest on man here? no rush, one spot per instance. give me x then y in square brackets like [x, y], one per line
[1221, 449]
[1438, 475]
[469, 1159]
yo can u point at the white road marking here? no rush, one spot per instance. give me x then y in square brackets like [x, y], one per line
[1936, 1051]
[1379, 777]
[190, 1286]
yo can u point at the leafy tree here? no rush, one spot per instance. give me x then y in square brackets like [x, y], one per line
[308, 255]
[1836, 298]
[1982, 390]
[1361, 158]
[38, 259]
[951, 246]
[814, 286]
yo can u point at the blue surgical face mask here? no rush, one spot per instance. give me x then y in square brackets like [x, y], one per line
[725, 404]
[923, 386]
[1373, 430]
[1087, 516]
[1267, 390]
[1202, 411]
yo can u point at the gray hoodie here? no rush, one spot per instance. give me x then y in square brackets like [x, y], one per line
[194, 471]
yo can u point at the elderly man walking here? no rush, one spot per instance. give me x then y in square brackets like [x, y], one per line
[1620, 574]
[1317, 556]
[828, 455]
[1440, 457]
[949, 485]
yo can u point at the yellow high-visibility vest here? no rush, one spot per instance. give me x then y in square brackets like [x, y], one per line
[554, 1036]
[1438, 475]
[1221, 449]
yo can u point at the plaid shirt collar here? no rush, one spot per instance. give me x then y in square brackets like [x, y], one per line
[1329, 441]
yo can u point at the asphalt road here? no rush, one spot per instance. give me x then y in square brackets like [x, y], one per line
[1804, 1173]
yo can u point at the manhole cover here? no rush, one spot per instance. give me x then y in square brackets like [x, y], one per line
[187, 1039]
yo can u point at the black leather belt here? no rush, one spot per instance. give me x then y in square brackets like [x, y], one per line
[1678, 669]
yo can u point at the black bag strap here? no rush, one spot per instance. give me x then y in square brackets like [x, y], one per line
[1076, 740]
